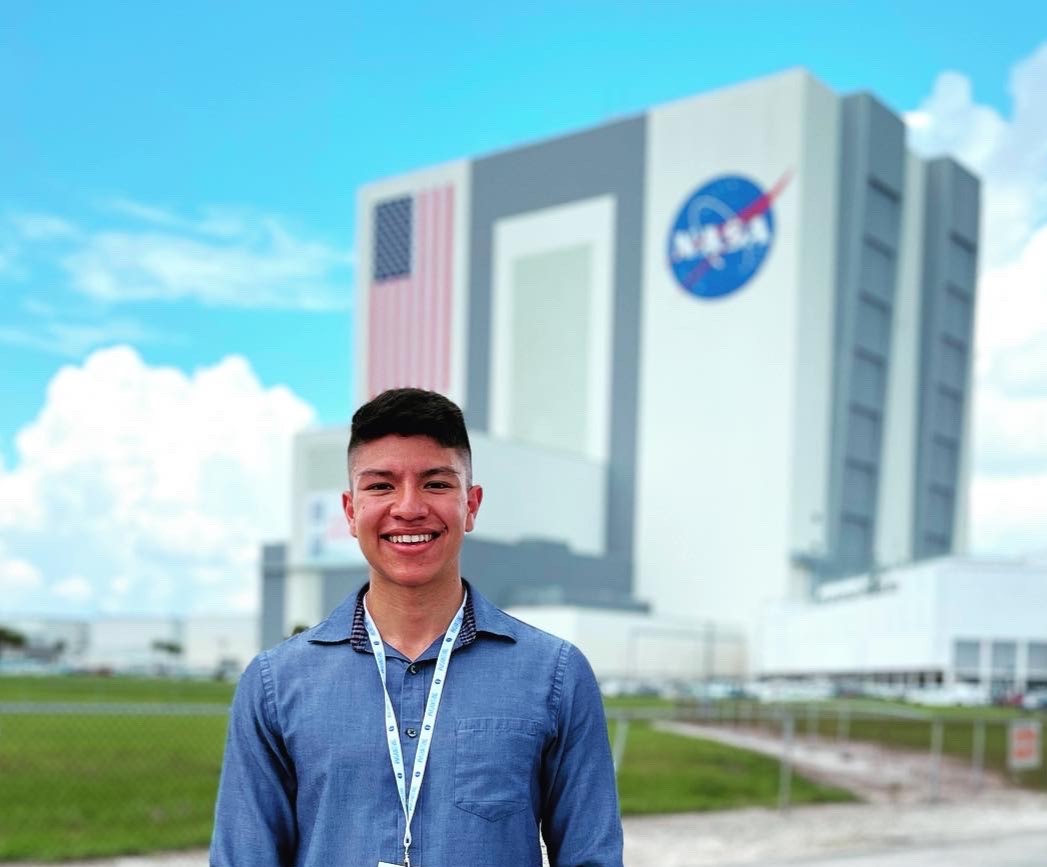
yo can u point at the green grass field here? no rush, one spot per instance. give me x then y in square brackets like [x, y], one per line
[131, 690]
[668, 773]
[86, 785]
[97, 784]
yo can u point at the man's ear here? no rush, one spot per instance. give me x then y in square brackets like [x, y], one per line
[472, 505]
[349, 510]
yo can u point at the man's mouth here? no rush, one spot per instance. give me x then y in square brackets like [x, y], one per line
[410, 538]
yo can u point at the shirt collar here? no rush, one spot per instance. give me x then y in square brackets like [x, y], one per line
[346, 623]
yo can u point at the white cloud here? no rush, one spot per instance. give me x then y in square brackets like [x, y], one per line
[17, 576]
[1010, 155]
[74, 339]
[224, 259]
[153, 488]
[75, 589]
[1010, 514]
[43, 227]
[1009, 489]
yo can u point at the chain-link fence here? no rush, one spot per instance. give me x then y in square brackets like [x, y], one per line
[980, 739]
[81, 780]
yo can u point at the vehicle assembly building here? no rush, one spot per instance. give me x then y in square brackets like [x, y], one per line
[714, 358]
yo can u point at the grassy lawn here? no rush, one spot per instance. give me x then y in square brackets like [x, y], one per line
[132, 690]
[95, 784]
[669, 773]
[91, 785]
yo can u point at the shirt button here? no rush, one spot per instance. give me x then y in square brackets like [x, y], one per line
[413, 669]
[412, 733]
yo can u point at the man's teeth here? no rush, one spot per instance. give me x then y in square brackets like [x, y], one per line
[423, 537]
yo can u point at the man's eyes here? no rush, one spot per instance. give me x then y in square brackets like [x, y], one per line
[387, 486]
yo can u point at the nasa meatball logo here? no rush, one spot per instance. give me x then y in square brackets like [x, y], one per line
[722, 235]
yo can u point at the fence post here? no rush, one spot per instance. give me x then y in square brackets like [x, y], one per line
[978, 754]
[621, 732]
[812, 722]
[843, 725]
[785, 770]
[936, 759]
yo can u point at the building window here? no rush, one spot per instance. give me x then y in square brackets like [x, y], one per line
[1004, 657]
[966, 656]
[1038, 658]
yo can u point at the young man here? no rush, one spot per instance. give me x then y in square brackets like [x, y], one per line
[417, 725]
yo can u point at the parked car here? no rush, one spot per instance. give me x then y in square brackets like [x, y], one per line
[957, 695]
[1035, 699]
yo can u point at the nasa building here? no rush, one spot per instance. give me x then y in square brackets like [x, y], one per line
[715, 359]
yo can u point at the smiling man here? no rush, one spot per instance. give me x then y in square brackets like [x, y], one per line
[418, 724]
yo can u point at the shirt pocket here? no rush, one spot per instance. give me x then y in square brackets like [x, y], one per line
[494, 763]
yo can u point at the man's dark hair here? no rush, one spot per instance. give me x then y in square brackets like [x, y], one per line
[410, 412]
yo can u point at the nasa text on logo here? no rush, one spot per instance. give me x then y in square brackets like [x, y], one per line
[722, 235]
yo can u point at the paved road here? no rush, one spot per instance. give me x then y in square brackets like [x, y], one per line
[1024, 850]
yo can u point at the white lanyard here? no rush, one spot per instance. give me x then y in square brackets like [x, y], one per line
[409, 796]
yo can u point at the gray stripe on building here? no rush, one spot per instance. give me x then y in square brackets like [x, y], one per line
[947, 322]
[872, 172]
[609, 160]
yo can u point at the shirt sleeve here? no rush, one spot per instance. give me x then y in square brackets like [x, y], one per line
[581, 822]
[254, 814]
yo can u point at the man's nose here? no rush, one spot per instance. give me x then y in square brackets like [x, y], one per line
[410, 504]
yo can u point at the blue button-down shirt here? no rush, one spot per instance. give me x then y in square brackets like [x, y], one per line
[520, 748]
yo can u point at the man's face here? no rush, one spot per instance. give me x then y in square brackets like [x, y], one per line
[410, 505]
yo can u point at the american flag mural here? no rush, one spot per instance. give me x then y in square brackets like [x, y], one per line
[410, 294]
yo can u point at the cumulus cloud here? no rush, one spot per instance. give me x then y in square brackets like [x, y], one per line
[1009, 154]
[1009, 489]
[17, 576]
[144, 489]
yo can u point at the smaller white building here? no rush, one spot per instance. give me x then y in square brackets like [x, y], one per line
[636, 647]
[198, 646]
[944, 621]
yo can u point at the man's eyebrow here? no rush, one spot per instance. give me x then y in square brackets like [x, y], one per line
[425, 474]
[440, 471]
[381, 473]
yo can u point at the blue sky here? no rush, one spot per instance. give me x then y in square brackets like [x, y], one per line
[180, 178]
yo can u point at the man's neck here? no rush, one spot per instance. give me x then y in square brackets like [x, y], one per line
[412, 618]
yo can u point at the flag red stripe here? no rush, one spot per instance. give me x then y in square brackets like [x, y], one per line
[410, 318]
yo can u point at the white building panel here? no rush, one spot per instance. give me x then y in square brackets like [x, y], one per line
[719, 397]
[522, 495]
[912, 624]
[895, 518]
[552, 318]
[635, 647]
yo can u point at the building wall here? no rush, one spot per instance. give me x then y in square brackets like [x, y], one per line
[872, 172]
[735, 450]
[947, 330]
[521, 199]
[421, 338]
[635, 647]
[912, 621]
[896, 521]
[716, 504]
